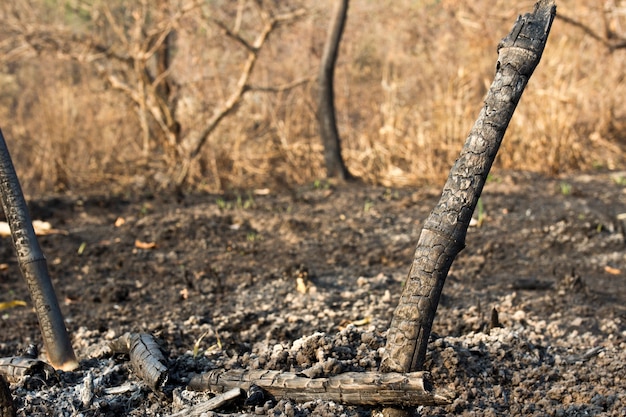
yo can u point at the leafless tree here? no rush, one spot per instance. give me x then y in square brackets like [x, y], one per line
[132, 47]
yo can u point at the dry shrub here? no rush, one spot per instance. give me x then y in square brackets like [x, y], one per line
[410, 82]
[66, 131]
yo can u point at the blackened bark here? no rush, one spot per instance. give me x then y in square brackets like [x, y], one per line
[146, 357]
[335, 166]
[34, 267]
[444, 231]
[7, 409]
[16, 368]
[355, 388]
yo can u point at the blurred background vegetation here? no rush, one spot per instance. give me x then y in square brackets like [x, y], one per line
[218, 95]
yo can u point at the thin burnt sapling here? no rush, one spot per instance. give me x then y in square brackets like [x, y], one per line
[33, 265]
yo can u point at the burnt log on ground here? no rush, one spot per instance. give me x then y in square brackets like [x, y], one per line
[146, 357]
[355, 388]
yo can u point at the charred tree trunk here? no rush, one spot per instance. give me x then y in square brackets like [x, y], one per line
[444, 231]
[335, 166]
[34, 267]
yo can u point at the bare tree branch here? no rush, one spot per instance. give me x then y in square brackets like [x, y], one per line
[234, 35]
[611, 43]
[194, 143]
[125, 61]
[283, 87]
[121, 35]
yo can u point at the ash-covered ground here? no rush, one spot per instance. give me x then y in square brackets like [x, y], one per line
[309, 277]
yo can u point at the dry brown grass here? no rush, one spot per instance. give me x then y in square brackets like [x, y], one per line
[410, 81]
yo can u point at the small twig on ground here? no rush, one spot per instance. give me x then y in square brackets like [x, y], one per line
[212, 404]
[584, 356]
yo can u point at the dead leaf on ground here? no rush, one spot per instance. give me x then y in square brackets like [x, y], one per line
[611, 270]
[10, 304]
[41, 229]
[145, 245]
[301, 285]
[184, 293]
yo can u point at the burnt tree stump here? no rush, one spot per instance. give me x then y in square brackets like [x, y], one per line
[444, 231]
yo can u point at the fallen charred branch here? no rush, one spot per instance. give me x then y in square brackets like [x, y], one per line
[146, 357]
[16, 369]
[354, 388]
[212, 404]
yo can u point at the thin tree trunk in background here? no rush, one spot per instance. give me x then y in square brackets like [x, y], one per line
[444, 231]
[166, 90]
[335, 166]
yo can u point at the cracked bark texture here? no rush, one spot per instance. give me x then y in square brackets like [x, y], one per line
[355, 388]
[444, 231]
[146, 357]
[34, 267]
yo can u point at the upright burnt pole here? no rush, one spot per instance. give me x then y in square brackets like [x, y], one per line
[444, 231]
[33, 265]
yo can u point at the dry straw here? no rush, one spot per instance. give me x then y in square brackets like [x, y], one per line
[410, 80]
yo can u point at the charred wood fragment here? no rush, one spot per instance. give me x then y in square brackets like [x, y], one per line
[444, 231]
[7, 408]
[355, 388]
[16, 368]
[212, 404]
[255, 395]
[494, 320]
[146, 358]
